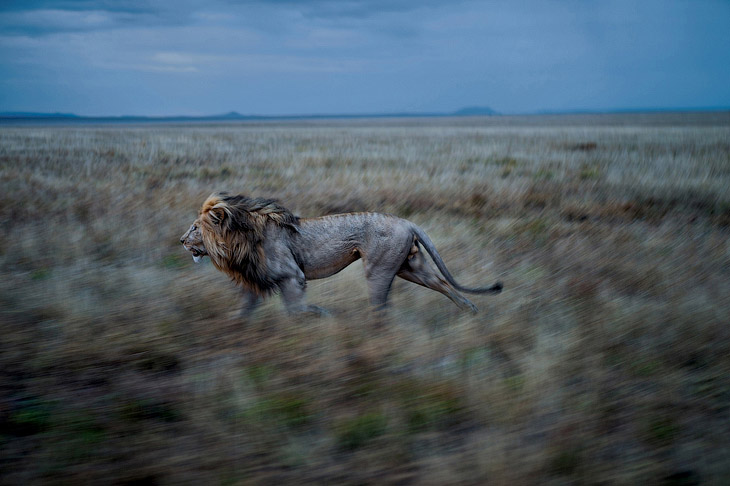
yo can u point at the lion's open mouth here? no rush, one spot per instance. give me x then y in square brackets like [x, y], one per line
[197, 254]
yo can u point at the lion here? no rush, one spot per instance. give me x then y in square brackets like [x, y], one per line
[266, 249]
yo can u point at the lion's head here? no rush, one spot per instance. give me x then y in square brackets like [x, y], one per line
[230, 230]
[192, 240]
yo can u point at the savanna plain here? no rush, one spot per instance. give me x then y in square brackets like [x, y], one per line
[605, 360]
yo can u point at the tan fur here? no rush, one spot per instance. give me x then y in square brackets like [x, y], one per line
[265, 248]
[231, 231]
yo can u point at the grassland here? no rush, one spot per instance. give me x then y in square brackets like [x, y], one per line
[606, 360]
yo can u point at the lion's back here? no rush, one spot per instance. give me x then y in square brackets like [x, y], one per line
[352, 226]
[329, 243]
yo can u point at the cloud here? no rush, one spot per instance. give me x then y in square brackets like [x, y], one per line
[354, 9]
[43, 21]
[364, 55]
[41, 17]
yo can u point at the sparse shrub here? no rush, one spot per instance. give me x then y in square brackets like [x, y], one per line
[661, 429]
[40, 274]
[356, 432]
[213, 173]
[507, 162]
[136, 410]
[507, 165]
[645, 367]
[429, 406]
[84, 427]
[686, 477]
[287, 409]
[577, 212]
[474, 357]
[536, 228]
[414, 204]
[28, 416]
[77, 438]
[564, 462]
[589, 172]
[260, 374]
[540, 196]
[721, 214]
[477, 201]
[174, 261]
[514, 383]
[584, 147]
[157, 362]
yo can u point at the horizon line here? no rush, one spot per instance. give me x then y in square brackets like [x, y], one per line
[462, 112]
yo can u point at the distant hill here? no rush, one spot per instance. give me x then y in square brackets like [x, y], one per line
[20, 117]
[30, 118]
[475, 110]
[17, 116]
[27, 114]
[34, 118]
[233, 115]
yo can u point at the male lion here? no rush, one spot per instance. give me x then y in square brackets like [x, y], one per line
[264, 248]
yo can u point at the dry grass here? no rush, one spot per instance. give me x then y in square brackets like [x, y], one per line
[605, 360]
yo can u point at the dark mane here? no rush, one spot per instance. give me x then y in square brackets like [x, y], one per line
[234, 229]
[270, 208]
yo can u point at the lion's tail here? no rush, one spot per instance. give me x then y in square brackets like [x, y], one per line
[431, 249]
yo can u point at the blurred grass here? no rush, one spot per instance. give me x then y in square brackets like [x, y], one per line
[606, 359]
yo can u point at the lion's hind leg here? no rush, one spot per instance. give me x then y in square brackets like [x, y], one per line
[382, 261]
[417, 270]
[379, 288]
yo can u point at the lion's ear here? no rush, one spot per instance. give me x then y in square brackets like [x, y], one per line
[217, 215]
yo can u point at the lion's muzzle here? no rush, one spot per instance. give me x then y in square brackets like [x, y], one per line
[193, 242]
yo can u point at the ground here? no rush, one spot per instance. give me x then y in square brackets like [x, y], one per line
[605, 360]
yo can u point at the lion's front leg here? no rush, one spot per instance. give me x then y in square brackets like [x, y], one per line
[293, 294]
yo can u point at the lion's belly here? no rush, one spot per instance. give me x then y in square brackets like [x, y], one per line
[327, 246]
[326, 264]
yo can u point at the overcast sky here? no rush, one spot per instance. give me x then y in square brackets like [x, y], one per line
[156, 57]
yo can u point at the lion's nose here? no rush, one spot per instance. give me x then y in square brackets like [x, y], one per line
[182, 240]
